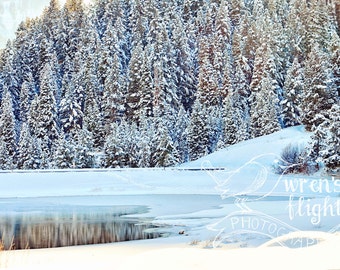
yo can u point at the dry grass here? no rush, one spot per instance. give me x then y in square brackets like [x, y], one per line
[194, 242]
[10, 247]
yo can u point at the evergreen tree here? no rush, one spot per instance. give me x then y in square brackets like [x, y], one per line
[292, 95]
[184, 67]
[71, 115]
[180, 136]
[231, 125]
[10, 78]
[214, 126]
[47, 121]
[140, 96]
[113, 96]
[6, 161]
[84, 156]
[147, 133]
[164, 153]
[26, 97]
[51, 20]
[28, 152]
[117, 148]
[198, 132]
[331, 152]
[7, 131]
[325, 144]
[263, 112]
[93, 119]
[334, 50]
[319, 88]
[63, 157]
[208, 84]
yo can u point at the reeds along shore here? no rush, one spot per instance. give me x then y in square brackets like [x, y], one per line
[22, 232]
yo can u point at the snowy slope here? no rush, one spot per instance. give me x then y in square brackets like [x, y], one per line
[265, 148]
[241, 204]
[244, 175]
[245, 168]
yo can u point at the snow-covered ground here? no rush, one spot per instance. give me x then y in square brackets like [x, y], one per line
[222, 202]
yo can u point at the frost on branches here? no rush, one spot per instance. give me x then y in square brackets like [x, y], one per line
[158, 83]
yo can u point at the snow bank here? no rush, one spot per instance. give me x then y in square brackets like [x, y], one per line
[154, 255]
[228, 192]
[247, 169]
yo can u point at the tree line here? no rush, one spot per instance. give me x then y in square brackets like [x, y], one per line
[131, 83]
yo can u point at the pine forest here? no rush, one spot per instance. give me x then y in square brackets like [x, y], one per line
[156, 83]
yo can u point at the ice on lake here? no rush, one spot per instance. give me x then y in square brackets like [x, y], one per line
[45, 223]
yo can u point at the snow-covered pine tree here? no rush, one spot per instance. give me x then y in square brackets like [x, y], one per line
[292, 95]
[330, 152]
[46, 122]
[29, 156]
[26, 96]
[296, 29]
[161, 55]
[139, 96]
[84, 156]
[208, 83]
[7, 131]
[114, 155]
[138, 22]
[318, 24]
[93, 119]
[9, 77]
[113, 99]
[180, 134]
[263, 111]
[230, 124]
[243, 48]
[131, 142]
[147, 133]
[120, 148]
[198, 131]
[163, 151]
[74, 17]
[184, 67]
[71, 114]
[63, 156]
[260, 67]
[334, 50]
[325, 143]
[33, 114]
[319, 90]
[50, 20]
[6, 161]
[215, 126]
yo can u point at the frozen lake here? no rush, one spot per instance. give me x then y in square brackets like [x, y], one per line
[42, 222]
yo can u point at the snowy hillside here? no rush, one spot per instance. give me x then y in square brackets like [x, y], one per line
[226, 200]
[246, 158]
[137, 83]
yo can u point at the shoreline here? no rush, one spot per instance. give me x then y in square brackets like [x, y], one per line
[175, 253]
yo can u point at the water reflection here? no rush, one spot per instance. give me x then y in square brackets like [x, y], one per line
[70, 228]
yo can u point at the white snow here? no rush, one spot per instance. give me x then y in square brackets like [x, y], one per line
[243, 204]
